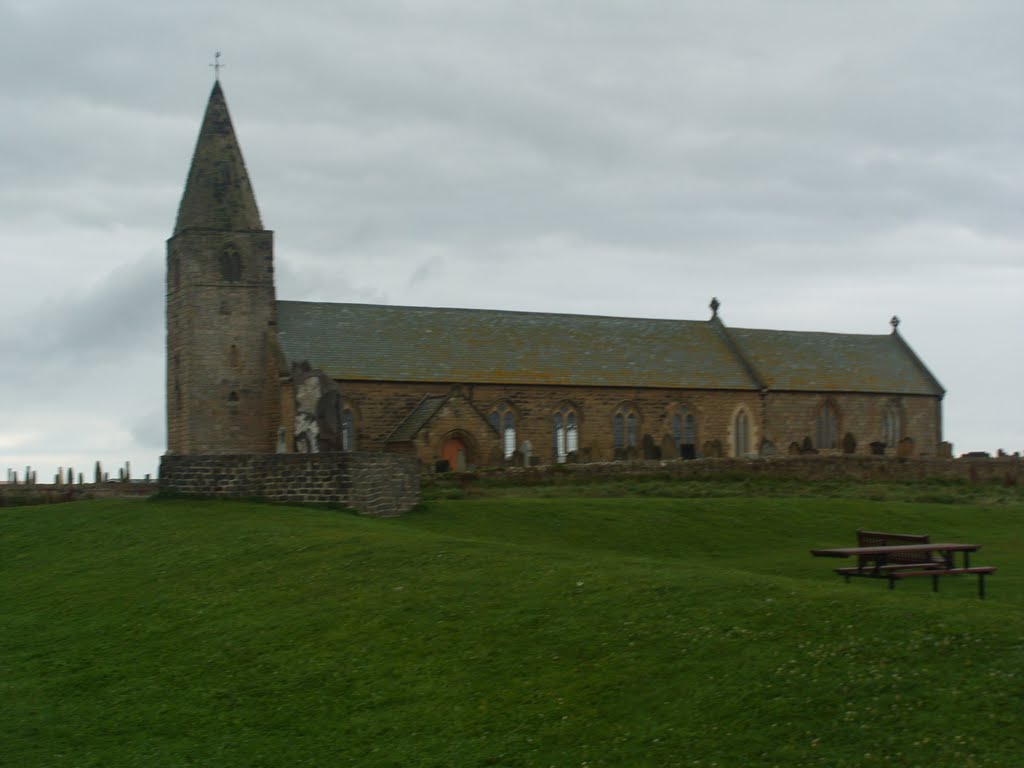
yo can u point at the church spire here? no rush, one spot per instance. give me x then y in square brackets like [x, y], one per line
[218, 194]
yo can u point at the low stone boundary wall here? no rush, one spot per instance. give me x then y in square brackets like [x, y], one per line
[20, 494]
[377, 484]
[1008, 470]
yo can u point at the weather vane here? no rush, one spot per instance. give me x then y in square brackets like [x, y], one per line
[217, 66]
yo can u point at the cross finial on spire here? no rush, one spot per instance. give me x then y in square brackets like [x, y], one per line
[217, 66]
[715, 304]
[895, 323]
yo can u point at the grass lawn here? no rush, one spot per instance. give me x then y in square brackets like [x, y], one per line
[570, 629]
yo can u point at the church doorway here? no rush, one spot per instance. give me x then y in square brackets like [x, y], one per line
[456, 453]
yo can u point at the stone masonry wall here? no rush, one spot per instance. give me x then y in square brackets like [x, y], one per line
[221, 331]
[1008, 470]
[381, 485]
[780, 417]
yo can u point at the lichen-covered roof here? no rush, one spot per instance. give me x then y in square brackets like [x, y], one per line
[374, 342]
[388, 343]
[218, 194]
[420, 415]
[834, 362]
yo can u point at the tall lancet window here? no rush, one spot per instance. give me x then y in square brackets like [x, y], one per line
[891, 427]
[625, 427]
[348, 428]
[566, 433]
[503, 420]
[741, 433]
[827, 426]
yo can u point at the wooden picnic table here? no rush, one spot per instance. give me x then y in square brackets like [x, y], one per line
[880, 555]
[890, 562]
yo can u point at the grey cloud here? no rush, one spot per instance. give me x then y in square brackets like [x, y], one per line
[815, 164]
[80, 327]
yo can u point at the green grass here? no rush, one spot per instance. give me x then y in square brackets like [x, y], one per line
[623, 629]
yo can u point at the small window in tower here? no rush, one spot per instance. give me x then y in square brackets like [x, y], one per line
[233, 397]
[231, 264]
[233, 359]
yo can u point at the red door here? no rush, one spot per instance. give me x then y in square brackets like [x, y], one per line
[454, 452]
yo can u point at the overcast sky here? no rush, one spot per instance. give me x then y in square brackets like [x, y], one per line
[815, 164]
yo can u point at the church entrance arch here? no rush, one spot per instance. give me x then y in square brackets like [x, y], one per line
[455, 450]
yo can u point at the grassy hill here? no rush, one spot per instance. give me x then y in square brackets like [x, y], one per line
[652, 628]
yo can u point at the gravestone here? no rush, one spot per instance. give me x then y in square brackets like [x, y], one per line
[669, 448]
[713, 449]
[651, 451]
[849, 443]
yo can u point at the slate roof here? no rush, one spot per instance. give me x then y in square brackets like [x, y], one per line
[374, 342]
[834, 362]
[388, 343]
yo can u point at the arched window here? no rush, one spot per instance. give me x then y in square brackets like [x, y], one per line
[566, 433]
[348, 428]
[827, 427]
[503, 420]
[684, 428]
[625, 427]
[741, 433]
[891, 427]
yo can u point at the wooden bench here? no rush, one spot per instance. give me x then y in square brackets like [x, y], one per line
[902, 561]
[981, 571]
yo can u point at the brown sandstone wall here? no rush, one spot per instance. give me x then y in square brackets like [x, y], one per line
[791, 416]
[781, 418]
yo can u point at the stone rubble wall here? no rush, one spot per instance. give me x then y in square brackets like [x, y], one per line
[380, 485]
[1008, 470]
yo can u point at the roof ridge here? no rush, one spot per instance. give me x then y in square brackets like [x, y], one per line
[734, 347]
[496, 311]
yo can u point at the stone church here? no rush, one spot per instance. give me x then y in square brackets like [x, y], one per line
[461, 388]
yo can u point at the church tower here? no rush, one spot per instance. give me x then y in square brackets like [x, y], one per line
[221, 311]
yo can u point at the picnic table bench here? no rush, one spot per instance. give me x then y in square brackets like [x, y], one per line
[897, 556]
